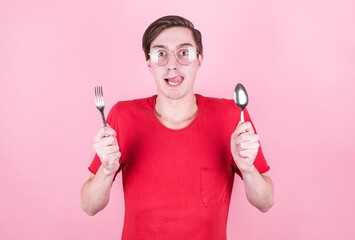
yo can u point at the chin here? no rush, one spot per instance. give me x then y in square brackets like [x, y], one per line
[176, 96]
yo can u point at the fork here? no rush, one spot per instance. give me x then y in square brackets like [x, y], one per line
[99, 101]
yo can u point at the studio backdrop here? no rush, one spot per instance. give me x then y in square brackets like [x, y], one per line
[296, 59]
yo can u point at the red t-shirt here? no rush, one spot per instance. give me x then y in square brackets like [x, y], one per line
[177, 183]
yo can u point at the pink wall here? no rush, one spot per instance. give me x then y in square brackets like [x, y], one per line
[296, 59]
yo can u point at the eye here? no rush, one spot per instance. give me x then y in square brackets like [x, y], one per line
[184, 52]
[161, 53]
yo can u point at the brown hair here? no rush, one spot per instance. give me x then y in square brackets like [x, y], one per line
[163, 23]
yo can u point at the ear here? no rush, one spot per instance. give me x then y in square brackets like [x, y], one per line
[199, 60]
[149, 64]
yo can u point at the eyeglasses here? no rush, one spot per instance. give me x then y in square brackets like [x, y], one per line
[184, 56]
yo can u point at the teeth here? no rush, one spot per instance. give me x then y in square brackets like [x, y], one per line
[172, 83]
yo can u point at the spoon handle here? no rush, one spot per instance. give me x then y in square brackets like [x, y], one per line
[242, 115]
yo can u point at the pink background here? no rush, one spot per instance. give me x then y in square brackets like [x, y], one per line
[296, 59]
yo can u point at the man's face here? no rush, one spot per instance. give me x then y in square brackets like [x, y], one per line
[173, 79]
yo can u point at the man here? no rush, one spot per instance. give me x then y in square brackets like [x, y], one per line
[178, 151]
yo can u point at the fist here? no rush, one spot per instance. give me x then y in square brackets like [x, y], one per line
[244, 146]
[106, 147]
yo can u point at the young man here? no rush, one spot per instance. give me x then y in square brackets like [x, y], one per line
[178, 151]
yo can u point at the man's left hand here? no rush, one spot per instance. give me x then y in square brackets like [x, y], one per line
[244, 146]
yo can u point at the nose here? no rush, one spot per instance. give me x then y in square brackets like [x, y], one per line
[172, 62]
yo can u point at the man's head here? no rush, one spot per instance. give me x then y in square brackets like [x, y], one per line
[166, 22]
[173, 52]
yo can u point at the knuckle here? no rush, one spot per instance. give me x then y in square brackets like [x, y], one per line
[105, 141]
[108, 140]
[104, 158]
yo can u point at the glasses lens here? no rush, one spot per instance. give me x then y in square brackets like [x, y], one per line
[186, 56]
[159, 56]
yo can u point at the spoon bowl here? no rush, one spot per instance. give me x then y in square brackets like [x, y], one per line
[241, 99]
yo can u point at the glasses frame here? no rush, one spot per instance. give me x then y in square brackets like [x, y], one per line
[174, 52]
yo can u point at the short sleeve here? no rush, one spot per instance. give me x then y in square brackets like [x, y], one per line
[112, 120]
[260, 162]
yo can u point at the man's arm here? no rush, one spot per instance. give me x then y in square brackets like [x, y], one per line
[258, 187]
[95, 193]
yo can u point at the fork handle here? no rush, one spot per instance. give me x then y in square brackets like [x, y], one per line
[103, 118]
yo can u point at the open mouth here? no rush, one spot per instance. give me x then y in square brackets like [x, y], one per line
[174, 81]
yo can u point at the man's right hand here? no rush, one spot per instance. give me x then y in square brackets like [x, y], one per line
[106, 147]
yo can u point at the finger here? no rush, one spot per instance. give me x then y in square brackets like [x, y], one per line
[110, 158]
[109, 141]
[114, 157]
[249, 146]
[106, 150]
[244, 127]
[111, 150]
[105, 142]
[104, 132]
[110, 130]
[246, 137]
[248, 153]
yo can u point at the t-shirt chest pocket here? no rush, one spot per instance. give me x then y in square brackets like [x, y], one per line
[215, 186]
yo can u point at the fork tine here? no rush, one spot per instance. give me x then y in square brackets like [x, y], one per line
[102, 96]
[99, 97]
[99, 101]
[96, 96]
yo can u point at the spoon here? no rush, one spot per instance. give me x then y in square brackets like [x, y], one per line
[241, 99]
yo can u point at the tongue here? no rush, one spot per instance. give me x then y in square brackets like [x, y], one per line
[176, 79]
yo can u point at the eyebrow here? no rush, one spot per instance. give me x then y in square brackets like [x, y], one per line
[179, 46]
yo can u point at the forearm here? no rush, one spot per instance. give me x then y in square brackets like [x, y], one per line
[259, 189]
[95, 193]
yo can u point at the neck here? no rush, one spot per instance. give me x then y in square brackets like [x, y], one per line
[176, 111]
